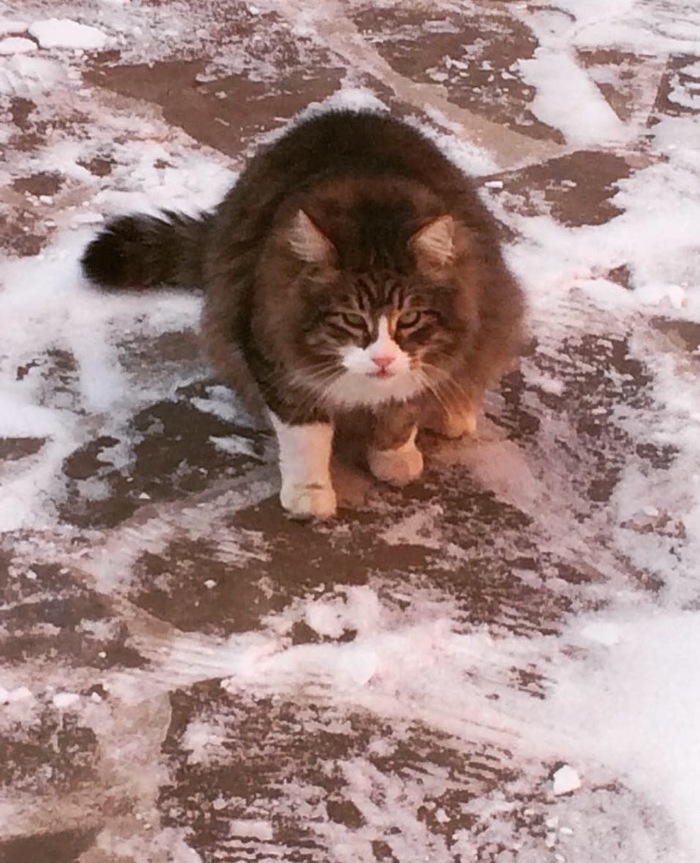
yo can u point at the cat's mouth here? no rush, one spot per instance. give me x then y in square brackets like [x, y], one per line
[382, 374]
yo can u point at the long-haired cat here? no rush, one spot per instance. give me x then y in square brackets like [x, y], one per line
[351, 266]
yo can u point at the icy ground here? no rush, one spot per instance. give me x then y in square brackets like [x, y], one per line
[498, 665]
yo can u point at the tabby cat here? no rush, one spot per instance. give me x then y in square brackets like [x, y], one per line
[352, 266]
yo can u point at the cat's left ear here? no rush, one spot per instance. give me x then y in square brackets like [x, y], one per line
[308, 242]
[434, 244]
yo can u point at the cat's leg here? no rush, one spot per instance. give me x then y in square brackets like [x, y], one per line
[453, 417]
[454, 424]
[393, 455]
[304, 460]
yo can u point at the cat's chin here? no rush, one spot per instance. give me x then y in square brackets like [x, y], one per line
[368, 390]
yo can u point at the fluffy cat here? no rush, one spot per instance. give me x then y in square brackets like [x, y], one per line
[352, 266]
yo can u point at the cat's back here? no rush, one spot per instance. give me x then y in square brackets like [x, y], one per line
[337, 150]
[360, 140]
[351, 143]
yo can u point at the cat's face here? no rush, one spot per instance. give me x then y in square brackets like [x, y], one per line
[376, 336]
[372, 337]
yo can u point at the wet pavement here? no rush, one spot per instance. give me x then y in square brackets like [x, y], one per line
[130, 728]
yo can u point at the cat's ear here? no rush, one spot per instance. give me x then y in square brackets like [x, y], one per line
[434, 245]
[308, 242]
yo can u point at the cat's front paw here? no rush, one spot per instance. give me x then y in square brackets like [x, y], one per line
[310, 500]
[396, 466]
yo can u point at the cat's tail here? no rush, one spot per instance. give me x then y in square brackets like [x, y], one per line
[141, 252]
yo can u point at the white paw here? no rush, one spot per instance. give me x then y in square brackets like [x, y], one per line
[396, 466]
[312, 500]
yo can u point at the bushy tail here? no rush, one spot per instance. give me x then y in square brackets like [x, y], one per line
[141, 252]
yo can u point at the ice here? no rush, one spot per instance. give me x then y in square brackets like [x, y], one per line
[20, 694]
[7, 25]
[65, 33]
[258, 829]
[565, 780]
[25, 76]
[17, 45]
[65, 700]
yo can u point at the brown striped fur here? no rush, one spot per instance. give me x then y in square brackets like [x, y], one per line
[323, 223]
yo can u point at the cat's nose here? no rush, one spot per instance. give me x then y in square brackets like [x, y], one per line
[383, 361]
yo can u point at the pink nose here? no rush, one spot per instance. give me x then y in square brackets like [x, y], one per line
[383, 361]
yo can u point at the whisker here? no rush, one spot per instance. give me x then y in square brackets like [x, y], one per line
[319, 373]
[311, 382]
[448, 392]
[435, 392]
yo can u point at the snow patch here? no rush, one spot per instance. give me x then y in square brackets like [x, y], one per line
[255, 829]
[66, 700]
[565, 780]
[17, 45]
[27, 76]
[568, 100]
[7, 25]
[65, 33]
[638, 710]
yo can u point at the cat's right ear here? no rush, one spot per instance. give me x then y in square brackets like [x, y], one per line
[308, 242]
[434, 244]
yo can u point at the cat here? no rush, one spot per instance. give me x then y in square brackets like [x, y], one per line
[351, 266]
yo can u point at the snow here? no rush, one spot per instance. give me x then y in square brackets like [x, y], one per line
[17, 45]
[568, 100]
[64, 33]
[259, 829]
[20, 694]
[637, 706]
[8, 25]
[65, 700]
[201, 742]
[565, 780]
[27, 76]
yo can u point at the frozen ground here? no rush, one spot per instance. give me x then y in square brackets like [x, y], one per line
[497, 665]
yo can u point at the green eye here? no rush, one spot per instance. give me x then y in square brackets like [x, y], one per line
[353, 320]
[409, 318]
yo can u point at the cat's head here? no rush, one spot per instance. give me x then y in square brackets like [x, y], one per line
[387, 330]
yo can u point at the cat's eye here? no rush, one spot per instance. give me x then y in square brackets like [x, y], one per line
[353, 319]
[409, 318]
